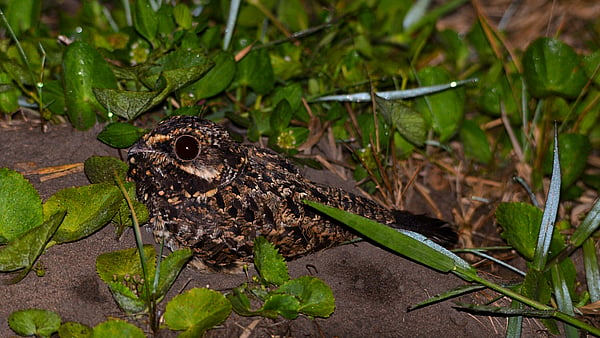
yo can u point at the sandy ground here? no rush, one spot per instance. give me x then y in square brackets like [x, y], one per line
[372, 287]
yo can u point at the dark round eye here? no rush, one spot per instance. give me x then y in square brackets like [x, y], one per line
[187, 147]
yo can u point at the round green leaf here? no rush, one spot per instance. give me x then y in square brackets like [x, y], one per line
[256, 72]
[215, 81]
[118, 264]
[445, 109]
[315, 296]
[285, 305]
[475, 142]
[102, 169]
[574, 151]
[20, 205]
[74, 330]
[34, 322]
[199, 308]
[120, 135]
[116, 328]
[552, 68]
[89, 208]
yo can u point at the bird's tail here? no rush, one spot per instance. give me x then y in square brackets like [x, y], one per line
[435, 229]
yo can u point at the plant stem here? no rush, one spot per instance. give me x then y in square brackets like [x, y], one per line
[539, 306]
[150, 299]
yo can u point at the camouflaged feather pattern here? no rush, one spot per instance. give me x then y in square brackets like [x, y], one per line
[207, 192]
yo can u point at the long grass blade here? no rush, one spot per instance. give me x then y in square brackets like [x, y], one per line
[234, 7]
[550, 211]
[395, 94]
[590, 223]
[592, 273]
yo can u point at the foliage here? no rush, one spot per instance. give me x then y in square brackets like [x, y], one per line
[376, 76]
[533, 235]
[306, 295]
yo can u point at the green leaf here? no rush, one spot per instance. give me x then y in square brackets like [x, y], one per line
[178, 68]
[291, 93]
[74, 330]
[255, 71]
[145, 20]
[591, 63]
[42, 323]
[84, 69]
[551, 67]
[23, 15]
[102, 169]
[123, 217]
[453, 293]
[9, 94]
[20, 205]
[22, 252]
[293, 13]
[240, 303]
[116, 328]
[122, 272]
[315, 296]
[126, 104]
[281, 116]
[280, 304]
[521, 224]
[537, 287]
[123, 263]
[409, 122]
[54, 97]
[588, 226]
[183, 16]
[497, 95]
[120, 135]
[89, 208]
[475, 142]
[214, 82]
[127, 300]
[164, 76]
[574, 150]
[170, 268]
[445, 110]
[269, 262]
[488, 310]
[413, 246]
[198, 309]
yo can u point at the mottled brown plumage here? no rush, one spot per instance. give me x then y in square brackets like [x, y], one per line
[216, 196]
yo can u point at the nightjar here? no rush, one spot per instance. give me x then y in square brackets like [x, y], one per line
[210, 193]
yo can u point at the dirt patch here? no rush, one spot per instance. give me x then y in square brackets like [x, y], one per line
[373, 287]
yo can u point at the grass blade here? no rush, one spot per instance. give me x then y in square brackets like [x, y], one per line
[395, 94]
[587, 226]
[406, 243]
[550, 211]
[592, 273]
[234, 7]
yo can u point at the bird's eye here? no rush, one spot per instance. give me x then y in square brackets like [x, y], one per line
[187, 147]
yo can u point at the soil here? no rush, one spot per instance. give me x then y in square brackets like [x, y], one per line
[372, 287]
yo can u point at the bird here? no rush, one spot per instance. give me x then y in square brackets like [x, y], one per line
[214, 195]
